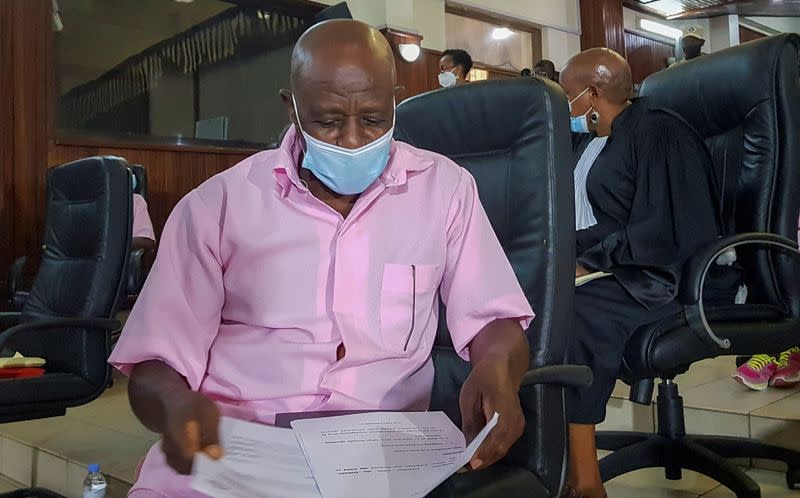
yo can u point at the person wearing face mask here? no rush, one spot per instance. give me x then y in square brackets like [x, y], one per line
[645, 202]
[454, 66]
[308, 278]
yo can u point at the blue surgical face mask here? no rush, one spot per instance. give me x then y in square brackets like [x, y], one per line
[346, 171]
[579, 124]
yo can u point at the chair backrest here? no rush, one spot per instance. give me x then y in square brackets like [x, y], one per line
[86, 239]
[513, 136]
[745, 103]
[141, 179]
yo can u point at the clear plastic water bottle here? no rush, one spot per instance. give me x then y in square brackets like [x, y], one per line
[94, 486]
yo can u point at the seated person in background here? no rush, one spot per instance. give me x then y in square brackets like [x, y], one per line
[546, 69]
[649, 205]
[307, 278]
[144, 237]
[454, 67]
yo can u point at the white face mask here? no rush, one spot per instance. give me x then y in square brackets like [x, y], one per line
[448, 79]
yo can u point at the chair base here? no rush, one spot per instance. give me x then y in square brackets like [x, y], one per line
[674, 451]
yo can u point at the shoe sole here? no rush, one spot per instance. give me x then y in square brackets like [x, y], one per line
[752, 385]
[785, 381]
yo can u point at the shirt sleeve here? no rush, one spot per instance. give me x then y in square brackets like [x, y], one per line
[142, 225]
[177, 315]
[478, 285]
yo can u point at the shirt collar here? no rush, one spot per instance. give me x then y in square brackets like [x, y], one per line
[402, 160]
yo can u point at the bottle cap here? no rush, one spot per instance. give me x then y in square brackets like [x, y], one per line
[94, 468]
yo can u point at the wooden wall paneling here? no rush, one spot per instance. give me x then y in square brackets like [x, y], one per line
[6, 133]
[171, 174]
[746, 34]
[602, 25]
[420, 76]
[646, 55]
[32, 75]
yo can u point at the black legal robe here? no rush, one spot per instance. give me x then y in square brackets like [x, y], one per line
[652, 192]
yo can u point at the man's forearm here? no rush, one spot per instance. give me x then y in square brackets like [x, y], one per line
[502, 340]
[152, 384]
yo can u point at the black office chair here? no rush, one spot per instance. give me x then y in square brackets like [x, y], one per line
[139, 262]
[513, 136]
[744, 102]
[68, 318]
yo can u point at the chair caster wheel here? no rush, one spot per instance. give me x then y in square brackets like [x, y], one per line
[793, 478]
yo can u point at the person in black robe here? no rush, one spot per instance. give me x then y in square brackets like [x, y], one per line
[651, 192]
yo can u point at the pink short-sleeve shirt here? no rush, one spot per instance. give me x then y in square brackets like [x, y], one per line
[257, 282]
[142, 226]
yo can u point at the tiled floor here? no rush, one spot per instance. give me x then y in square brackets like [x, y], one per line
[54, 453]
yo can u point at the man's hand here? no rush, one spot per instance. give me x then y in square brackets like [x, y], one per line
[499, 355]
[581, 271]
[187, 420]
[487, 390]
[191, 426]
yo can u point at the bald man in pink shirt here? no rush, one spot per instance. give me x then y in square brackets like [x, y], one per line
[308, 278]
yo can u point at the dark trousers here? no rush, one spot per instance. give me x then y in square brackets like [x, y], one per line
[606, 316]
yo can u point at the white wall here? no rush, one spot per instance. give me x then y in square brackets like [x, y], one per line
[782, 24]
[724, 32]
[429, 22]
[558, 19]
[560, 14]
[559, 46]
[370, 11]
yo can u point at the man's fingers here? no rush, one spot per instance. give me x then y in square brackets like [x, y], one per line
[192, 439]
[173, 449]
[209, 439]
[491, 450]
[498, 442]
[471, 423]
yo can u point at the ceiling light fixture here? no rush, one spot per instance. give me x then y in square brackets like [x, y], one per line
[409, 51]
[501, 33]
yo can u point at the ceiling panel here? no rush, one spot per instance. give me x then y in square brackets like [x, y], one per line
[688, 9]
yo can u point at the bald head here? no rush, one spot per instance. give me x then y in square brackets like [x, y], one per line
[340, 46]
[600, 68]
[343, 81]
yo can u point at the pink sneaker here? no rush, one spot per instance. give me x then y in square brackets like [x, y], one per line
[757, 372]
[787, 372]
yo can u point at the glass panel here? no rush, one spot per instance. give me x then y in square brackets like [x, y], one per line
[490, 44]
[198, 69]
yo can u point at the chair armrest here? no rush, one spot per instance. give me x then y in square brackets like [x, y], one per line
[91, 324]
[139, 263]
[696, 271]
[135, 270]
[9, 319]
[15, 278]
[563, 375]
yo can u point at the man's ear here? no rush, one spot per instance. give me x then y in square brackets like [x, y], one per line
[399, 93]
[286, 97]
[702, 43]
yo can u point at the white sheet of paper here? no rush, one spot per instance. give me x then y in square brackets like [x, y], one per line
[260, 461]
[384, 454]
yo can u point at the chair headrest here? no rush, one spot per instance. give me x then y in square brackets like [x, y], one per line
[707, 91]
[513, 106]
[141, 179]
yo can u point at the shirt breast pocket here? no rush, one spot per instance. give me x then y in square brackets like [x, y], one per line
[407, 296]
